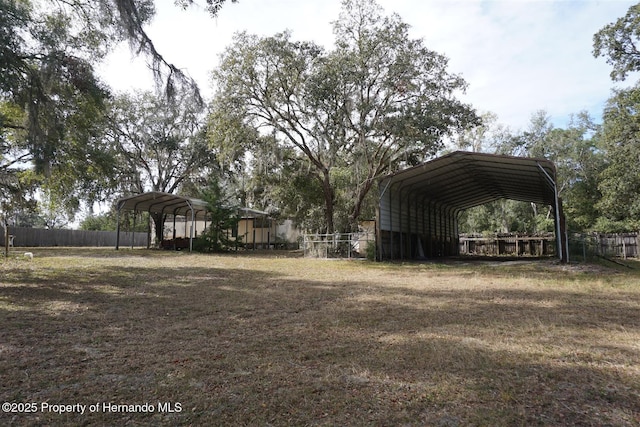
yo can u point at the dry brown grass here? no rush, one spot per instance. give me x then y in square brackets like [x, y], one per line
[269, 340]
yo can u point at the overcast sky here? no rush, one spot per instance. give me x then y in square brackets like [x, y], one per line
[517, 56]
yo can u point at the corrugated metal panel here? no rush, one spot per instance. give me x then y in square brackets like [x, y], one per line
[464, 180]
[419, 206]
[158, 202]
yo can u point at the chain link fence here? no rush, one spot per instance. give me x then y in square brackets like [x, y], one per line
[339, 245]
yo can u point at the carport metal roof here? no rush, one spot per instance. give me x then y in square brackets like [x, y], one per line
[171, 204]
[462, 180]
[164, 203]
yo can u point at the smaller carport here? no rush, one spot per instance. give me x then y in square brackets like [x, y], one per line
[418, 207]
[162, 204]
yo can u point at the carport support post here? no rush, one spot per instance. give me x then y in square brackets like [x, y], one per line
[193, 222]
[379, 255]
[118, 226]
[559, 234]
[400, 226]
[133, 233]
[564, 235]
[246, 228]
[174, 228]
[441, 226]
[378, 241]
[149, 229]
[6, 236]
[430, 230]
[409, 230]
[558, 230]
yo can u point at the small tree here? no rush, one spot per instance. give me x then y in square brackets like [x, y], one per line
[224, 217]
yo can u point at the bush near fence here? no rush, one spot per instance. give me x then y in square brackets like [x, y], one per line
[34, 237]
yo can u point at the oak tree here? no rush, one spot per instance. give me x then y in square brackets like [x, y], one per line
[158, 145]
[619, 43]
[379, 101]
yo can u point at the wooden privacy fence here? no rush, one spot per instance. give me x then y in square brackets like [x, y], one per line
[33, 237]
[618, 245]
[508, 244]
[581, 246]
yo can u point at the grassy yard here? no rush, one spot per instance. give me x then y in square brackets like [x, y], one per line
[267, 340]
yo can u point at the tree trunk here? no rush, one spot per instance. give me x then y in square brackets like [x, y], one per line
[328, 192]
[158, 221]
[355, 213]
[504, 221]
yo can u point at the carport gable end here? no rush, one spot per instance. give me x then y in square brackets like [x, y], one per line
[156, 202]
[418, 207]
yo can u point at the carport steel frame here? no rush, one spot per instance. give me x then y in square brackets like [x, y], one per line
[424, 202]
[162, 203]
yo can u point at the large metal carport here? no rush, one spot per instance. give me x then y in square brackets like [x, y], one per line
[418, 211]
[156, 202]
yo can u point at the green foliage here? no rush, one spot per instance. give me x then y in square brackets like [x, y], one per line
[108, 222]
[48, 62]
[102, 222]
[157, 145]
[620, 179]
[223, 218]
[213, 6]
[378, 102]
[54, 212]
[607, 225]
[52, 105]
[298, 195]
[502, 216]
[371, 250]
[13, 191]
[618, 42]
[489, 136]
[51, 98]
[578, 158]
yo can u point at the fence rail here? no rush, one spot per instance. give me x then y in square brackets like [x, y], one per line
[610, 245]
[509, 244]
[581, 246]
[356, 245]
[34, 237]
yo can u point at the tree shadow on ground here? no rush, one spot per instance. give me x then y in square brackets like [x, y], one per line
[247, 347]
